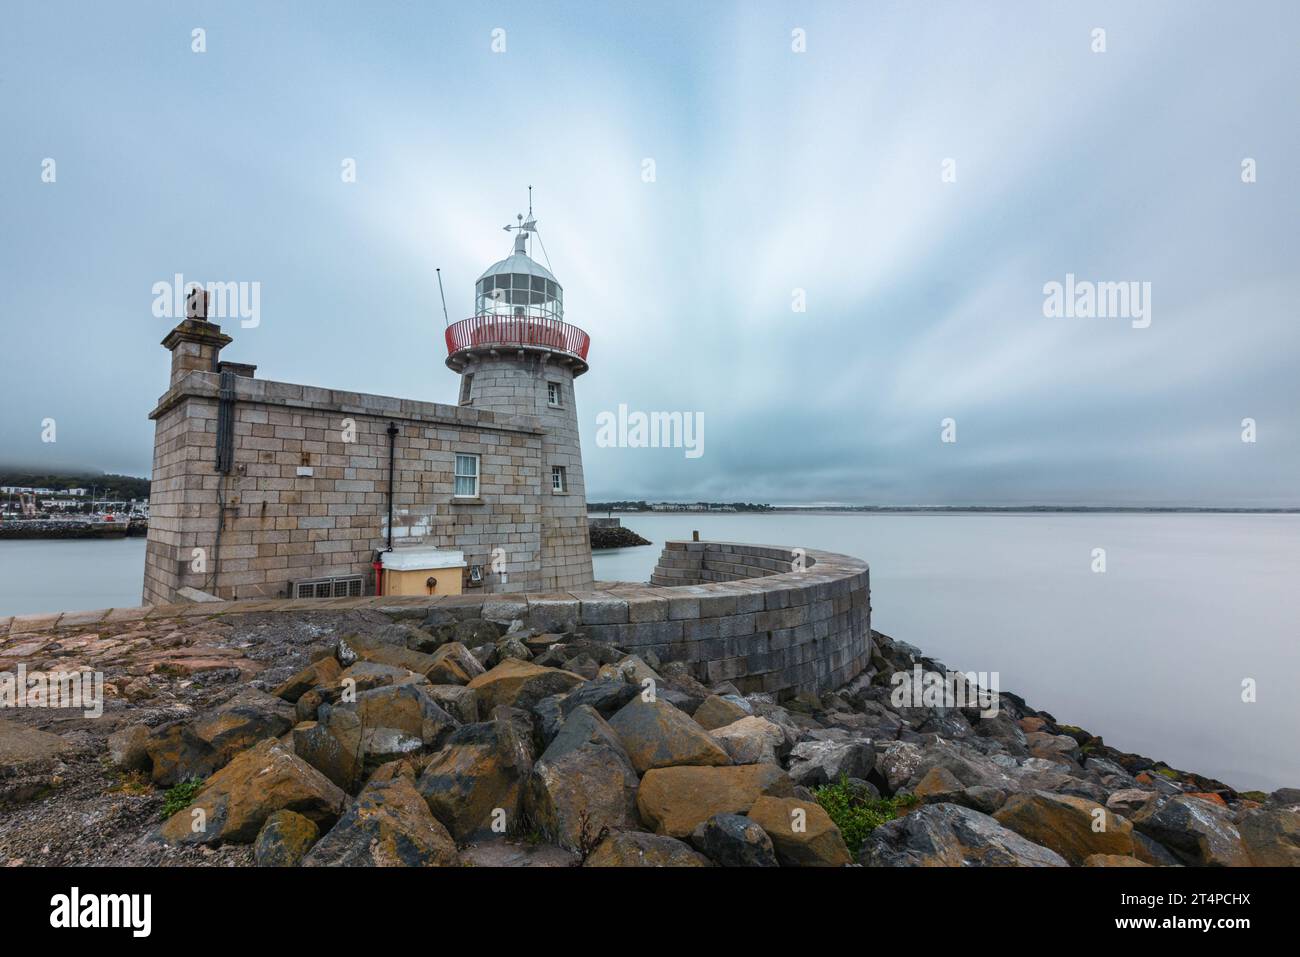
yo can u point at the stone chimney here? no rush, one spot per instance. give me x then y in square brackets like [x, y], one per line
[195, 343]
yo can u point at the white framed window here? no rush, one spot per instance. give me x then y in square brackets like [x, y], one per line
[559, 481]
[466, 475]
[465, 382]
[553, 394]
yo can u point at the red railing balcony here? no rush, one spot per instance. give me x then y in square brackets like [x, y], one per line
[487, 332]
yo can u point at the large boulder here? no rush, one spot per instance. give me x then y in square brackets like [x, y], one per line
[716, 711]
[802, 833]
[975, 769]
[674, 801]
[22, 747]
[469, 632]
[1272, 836]
[814, 763]
[1060, 748]
[1074, 827]
[458, 701]
[388, 825]
[186, 750]
[658, 735]
[368, 730]
[936, 785]
[236, 801]
[948, 835]
[638, 849]
[453, 665]
[356, 647]
[898, 762]
[520, 684]
[635, 670]
[1153, 852]
[363, 676]
[606, 695]
[128, 748]
[30, 762]
[1128, 801]
[480, 772]
[1198, 832]
[733, 840]
[512, 647]
[751, 740]
[333, 749]
[326, 671]
[284, 840]
[395, 720]
[1003, 729]
[583, 782]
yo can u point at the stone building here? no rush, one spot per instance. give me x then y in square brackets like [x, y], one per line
[266, 489]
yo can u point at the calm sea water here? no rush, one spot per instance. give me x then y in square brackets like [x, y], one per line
[1151, 654]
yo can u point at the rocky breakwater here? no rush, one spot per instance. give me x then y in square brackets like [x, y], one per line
[71, 528]
[435, 737]
[613, 536]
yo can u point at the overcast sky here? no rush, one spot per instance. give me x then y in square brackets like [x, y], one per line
[774, 171]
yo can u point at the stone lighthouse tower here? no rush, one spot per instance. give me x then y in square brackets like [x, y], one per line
[517, 355]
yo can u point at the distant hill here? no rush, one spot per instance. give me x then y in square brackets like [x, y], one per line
[123, 487]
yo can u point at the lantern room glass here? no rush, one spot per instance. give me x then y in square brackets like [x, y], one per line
[519, 294]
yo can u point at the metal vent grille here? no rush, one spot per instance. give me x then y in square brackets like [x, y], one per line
[344, 587]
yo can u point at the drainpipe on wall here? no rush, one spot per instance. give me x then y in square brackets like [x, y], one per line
[392, 456]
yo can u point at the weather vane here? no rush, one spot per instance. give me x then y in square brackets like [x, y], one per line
[528, 225]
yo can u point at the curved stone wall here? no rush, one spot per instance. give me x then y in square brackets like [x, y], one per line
[694, 563]
[766, 618]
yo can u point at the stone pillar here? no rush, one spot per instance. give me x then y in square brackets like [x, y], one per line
[195, 345]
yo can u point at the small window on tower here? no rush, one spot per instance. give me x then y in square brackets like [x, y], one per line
[553, 394]
[465, 382]
[559, 482]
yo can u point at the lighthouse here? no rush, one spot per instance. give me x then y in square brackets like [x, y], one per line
[518, 356]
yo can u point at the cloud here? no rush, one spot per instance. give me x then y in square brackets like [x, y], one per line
[775, 172]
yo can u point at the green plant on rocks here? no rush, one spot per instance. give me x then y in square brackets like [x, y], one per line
[179, 797]
[857, 814]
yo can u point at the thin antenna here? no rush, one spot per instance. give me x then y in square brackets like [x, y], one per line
[544, 253]
[444, 297]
